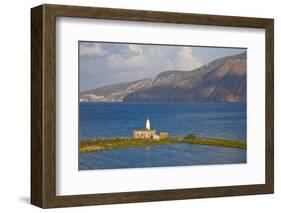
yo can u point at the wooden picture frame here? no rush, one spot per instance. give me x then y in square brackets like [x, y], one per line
[43, 105]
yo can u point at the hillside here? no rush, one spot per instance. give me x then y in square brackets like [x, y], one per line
[221, 80]
[113, 93]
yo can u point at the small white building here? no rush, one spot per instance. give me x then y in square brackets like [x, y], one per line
[149, 133]
[145, 133]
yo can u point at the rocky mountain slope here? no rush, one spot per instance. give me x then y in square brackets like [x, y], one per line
[222, 80]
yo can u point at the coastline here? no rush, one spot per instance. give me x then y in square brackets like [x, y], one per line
[104, 144]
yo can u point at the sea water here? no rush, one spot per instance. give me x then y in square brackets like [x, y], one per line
[217, 120]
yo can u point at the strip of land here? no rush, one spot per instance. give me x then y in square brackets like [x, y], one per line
[123, 143]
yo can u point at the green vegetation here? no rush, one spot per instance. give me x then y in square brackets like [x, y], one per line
[191, 136]
[122, 143]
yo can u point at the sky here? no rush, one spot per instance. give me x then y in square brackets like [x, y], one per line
[102, 64]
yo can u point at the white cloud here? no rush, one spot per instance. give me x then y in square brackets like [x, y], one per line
[135, 61]
[112, 63]
[136, 49]
[94, 50]
[186, 60]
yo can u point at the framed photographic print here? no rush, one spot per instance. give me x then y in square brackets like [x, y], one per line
[136, 106]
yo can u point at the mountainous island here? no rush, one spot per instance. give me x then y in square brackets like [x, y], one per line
[222, 80]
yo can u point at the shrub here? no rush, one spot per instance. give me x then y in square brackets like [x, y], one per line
[191, 136]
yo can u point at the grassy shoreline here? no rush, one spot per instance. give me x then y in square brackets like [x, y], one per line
[123, 143]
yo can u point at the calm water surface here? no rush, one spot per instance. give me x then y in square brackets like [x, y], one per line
[104, 120]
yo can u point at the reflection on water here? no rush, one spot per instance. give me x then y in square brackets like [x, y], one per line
[162, 155]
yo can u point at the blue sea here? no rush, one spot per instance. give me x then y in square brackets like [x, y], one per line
[219, 120]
